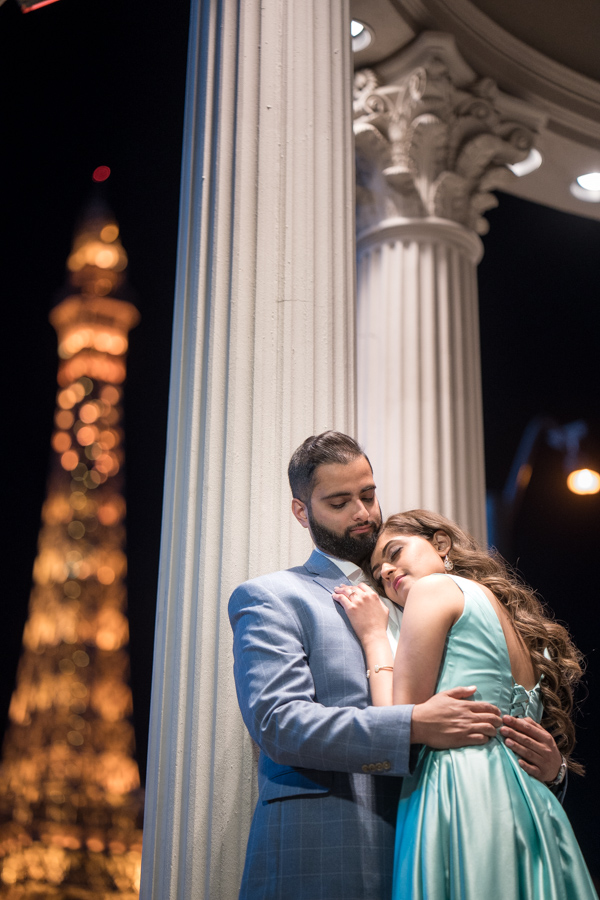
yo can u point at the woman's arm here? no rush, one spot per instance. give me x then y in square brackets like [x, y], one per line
[369, 618]
[433, 605]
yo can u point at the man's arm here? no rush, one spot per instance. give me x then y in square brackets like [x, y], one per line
[277, 697]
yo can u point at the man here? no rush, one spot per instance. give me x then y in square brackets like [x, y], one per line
[330, 764]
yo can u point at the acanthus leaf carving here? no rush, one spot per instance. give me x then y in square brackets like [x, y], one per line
[440, 149]
[402, 181]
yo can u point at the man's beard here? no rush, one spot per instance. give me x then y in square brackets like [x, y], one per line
[356, 548]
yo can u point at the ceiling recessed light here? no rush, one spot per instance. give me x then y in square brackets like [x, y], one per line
[361, 35]
[587, 187]
[531, 162]
[589, 182]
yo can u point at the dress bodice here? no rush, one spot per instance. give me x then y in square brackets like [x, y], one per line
[471, 822]
[476, 653]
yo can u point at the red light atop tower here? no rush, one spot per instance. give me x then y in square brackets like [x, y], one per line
[100, 173]
[30, 5]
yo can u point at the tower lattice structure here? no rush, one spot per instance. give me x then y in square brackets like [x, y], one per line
[70, 797]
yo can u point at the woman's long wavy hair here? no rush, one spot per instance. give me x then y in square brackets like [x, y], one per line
[553, 653]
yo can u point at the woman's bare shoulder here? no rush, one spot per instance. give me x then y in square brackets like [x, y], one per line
[438, 588]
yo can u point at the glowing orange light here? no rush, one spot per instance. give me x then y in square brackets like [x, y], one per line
[103, 286]
[109, 513]
[110, 233]
[61, 441]
[84, 570]
[107, 463]
[106, 639]
[56, 509]
[584, 481]
[88, 413]
[100, 173]
[111, 417]
[87, 435]
[69, 460]
[66, 399]
[106, 258]
[88, 363]
[117, 847]
[64, 419]
[108, 439]
[95, 845]
[105, 575]
[71, 842]
[110, 394]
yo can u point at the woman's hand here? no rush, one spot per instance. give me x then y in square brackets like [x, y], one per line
[368, 616]
[367, 612]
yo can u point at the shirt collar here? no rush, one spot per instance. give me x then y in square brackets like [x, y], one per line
[352, 572]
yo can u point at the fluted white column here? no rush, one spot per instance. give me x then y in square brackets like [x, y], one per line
[419, 390]
[432, 141]
[262, 357]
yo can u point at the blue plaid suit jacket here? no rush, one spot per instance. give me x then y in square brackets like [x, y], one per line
[329, 763]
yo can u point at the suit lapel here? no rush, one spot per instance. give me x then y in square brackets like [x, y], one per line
[325, 572]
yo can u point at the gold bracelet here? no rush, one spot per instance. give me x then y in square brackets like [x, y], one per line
[377, 669]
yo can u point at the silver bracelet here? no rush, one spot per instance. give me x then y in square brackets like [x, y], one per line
[561, 774]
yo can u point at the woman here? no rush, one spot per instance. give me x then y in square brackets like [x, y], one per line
[471, 823]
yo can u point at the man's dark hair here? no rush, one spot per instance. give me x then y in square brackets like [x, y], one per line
[318, 450]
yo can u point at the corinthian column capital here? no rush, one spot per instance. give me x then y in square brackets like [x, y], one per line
[430, 145]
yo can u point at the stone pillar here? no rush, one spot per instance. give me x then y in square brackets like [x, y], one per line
[432, 141]
[263, 324]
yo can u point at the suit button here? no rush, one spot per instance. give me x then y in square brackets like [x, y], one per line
[366, 769]
[379, 767]
[372, 767]
[386, 765]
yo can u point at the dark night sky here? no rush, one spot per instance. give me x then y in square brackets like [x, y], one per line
[90, 82]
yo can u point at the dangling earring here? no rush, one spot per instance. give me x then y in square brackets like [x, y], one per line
[448, 564]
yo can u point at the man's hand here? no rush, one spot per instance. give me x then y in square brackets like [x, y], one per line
[449, 719]
[539, 754]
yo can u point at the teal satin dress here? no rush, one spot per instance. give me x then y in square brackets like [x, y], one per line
[472, 825]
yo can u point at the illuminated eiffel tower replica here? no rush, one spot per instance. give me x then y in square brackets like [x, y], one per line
[70, 800]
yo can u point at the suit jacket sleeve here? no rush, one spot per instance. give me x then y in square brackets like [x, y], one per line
[276, 694]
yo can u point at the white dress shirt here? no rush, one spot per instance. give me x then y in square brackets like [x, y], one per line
[356, 575]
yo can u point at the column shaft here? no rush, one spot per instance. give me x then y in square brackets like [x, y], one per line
[263, 320]
[419, 387]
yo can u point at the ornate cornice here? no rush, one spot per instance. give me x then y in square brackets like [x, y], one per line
[570, 99]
